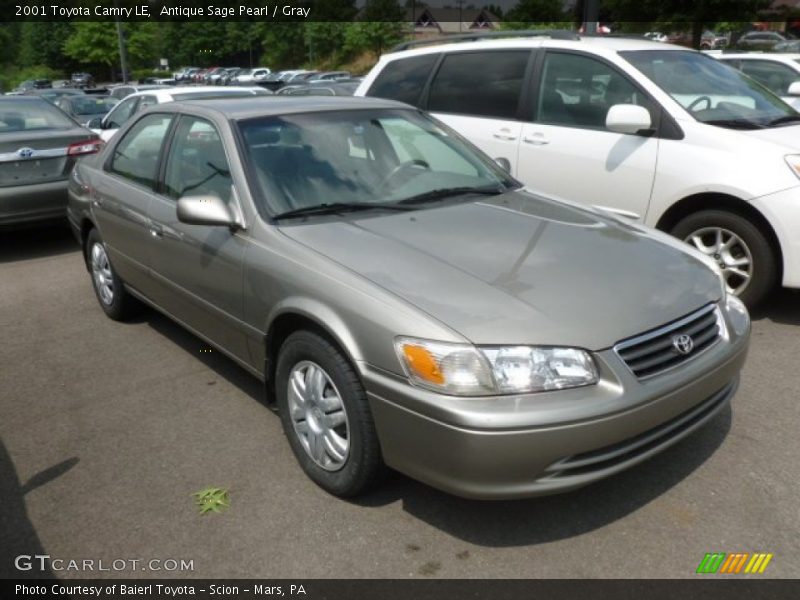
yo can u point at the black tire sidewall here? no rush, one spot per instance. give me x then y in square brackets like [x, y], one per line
[364, 464]
[765, 264]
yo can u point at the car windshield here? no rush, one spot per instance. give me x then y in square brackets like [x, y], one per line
[709, 90]
[361, 157]
[31, 115]
[92, 106]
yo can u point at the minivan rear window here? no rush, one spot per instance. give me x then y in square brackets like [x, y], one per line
[403, 79]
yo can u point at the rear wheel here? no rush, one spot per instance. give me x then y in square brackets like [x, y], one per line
[114, 299]
[326, 417]
[743, 253]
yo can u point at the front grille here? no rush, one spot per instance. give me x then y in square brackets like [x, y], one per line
[661, 349]
[632, 448]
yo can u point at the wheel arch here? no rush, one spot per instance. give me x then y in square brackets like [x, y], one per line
[320, 320]
[720, 201]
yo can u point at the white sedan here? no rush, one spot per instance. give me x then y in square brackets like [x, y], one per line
[108, 125]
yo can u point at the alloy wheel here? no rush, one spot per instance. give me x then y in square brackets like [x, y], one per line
[101, 272]
[318, 415]
[729, 251]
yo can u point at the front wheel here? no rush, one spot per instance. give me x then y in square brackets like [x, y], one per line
[747, 260]
[326, 416]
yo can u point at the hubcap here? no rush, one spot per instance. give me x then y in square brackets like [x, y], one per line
[318, 415]
[101, 272]
[729, 251]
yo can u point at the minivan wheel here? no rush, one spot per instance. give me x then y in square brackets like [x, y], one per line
[115, 301]
[326, 417]
[741, 250]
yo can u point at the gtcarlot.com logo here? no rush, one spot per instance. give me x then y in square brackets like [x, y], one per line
[44, 562]
[734, 562]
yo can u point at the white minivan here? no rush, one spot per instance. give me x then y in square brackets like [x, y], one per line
[650, 131]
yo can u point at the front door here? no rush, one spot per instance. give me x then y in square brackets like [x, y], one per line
[198, 269]
[567, 152]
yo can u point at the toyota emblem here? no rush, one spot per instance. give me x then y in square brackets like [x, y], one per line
[25, 152]
[683, 344]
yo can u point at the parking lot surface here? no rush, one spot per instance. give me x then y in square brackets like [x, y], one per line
[106, 429]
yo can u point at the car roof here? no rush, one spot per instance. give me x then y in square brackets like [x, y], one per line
[779, 56]
[595, 43]
[268, 106]
[166, 92]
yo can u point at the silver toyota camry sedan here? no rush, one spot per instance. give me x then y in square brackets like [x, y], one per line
[405, 301]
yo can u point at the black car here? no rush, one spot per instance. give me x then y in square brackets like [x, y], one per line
[82, 80]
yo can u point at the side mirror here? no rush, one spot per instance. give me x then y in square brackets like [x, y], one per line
[794, 88]
[95, 123]
[503, 163]
[628, 118]
[205, 210]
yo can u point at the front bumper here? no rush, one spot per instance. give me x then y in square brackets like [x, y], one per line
[29, 203]
[520, 446]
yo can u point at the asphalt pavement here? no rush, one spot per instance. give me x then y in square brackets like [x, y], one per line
[106, 429]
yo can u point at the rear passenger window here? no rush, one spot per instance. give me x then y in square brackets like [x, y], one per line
[403, 79]
[485, 84]
[136, 156]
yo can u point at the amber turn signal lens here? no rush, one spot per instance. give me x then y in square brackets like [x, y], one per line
[423, 363]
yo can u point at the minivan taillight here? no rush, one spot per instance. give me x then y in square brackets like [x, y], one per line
[87, 147]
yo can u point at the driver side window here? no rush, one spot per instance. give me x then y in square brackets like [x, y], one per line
[197, 165]
[577, 91]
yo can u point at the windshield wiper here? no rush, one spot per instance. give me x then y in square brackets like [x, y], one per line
[735, 123]
[784, 119]
[337, 207]
[442, 193]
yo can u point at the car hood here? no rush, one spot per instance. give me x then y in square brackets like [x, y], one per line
[787, 136]
[518, 269]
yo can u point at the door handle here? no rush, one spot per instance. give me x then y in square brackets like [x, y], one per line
[156, 231]
[536, 139]
[505, 135]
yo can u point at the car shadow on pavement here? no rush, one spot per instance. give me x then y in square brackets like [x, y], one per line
[39, 241]
[783, 306]
[216, 361]
[550, 518]
[18, 536]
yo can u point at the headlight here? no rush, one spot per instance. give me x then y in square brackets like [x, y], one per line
[793, 160]
[465, 370]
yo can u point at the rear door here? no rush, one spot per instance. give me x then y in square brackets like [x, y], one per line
[198, 269]
[122, 194]
[567, 151]
[480, 94]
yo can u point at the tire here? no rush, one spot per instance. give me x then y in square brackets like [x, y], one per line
[111, 294]
[699, 229]
[318, 424]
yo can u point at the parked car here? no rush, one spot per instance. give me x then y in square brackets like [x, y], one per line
[712, 41]
[656, 36]
[38, 147]
[760, 40]
[34, 84]
[253, 75]
[791, 46]
[84, 108]
[775, 71]
[320, 88]
[185, 74]
[81, 80]
[121, 92]
[653, 132]
[406, 302]
[210, 76]
[107, 126]
[331, 76]
[53, 94]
